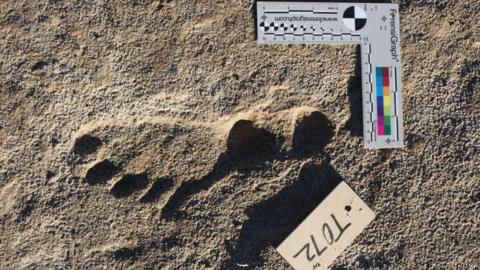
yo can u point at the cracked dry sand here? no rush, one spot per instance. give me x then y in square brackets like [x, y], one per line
[124, 126]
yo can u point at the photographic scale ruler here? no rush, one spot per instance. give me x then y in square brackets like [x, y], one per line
[375, 27]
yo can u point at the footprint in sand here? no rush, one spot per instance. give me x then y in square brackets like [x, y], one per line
[165, 161]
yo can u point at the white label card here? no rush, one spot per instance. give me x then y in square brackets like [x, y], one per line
[327, 231]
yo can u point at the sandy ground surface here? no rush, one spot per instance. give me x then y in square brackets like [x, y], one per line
[141, 134]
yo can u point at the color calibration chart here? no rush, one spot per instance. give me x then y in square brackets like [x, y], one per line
[375, 27]
[384, 124]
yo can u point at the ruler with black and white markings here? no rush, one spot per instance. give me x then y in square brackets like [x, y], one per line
[375, 27]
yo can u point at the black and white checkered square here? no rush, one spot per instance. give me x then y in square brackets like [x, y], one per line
[354, 18]
[283, 27]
